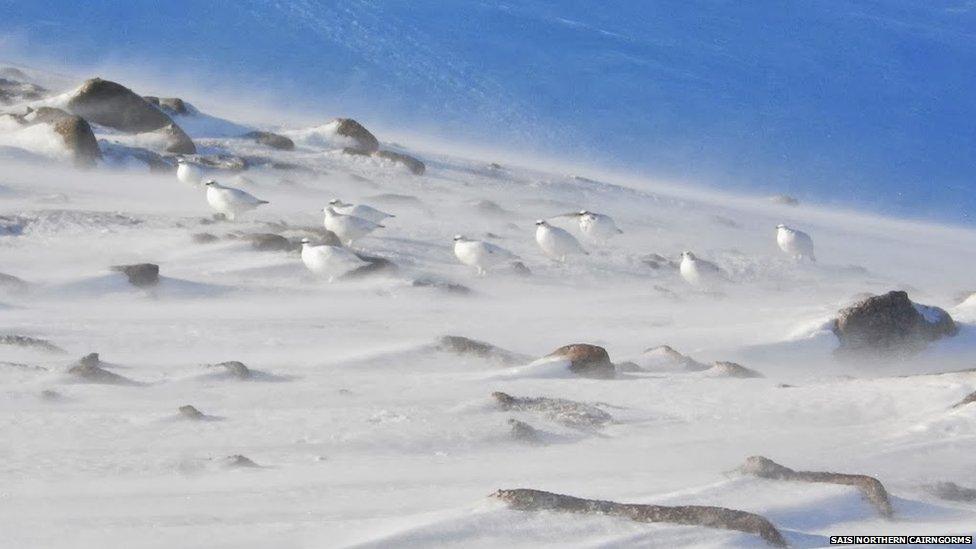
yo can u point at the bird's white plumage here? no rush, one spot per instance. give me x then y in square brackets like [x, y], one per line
[597, 227]
[230, 201]
[188, 173]
[555, 242]
[329, 261]
[348, 227]
[360, 210]
[480, 254]
[700, 273]
[796, 243]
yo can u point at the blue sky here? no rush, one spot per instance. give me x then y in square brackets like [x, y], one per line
[868, 103]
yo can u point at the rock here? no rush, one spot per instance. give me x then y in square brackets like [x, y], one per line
[461, 345]
[238, 461]
[970, 398]
[523, 432]
[204, 238]
[270, 242]
[140, 275]
[568, 412]
[952, 492]
[487, 207]
[890, 325]
[520, 269]
[665, 358]
[122, 154]
[586, 360]
[658, 261]
[377, 266]
[784, 199]
[14, 88]
[365, 141]
[234, 368]
[415, 166]
[75, 132]
[273, 140]
[219, 161]
[449, 287]
[170, 105]
[870, 487]
[113, 105]
[11, 282]
[52, 395]
[352, 151]
[524, 499]
[731, 369]
[27, 341]
[190, 412]
[89, 369]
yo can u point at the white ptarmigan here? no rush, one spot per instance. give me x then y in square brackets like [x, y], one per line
[188, 173]
[359, 210]
[597, 227]
[701, 273]
[480, 254]
[795, 242]
[230, 201]
[329, 261]
[555, 242]
[348, 227]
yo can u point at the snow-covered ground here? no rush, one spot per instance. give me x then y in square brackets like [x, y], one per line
[367, 436]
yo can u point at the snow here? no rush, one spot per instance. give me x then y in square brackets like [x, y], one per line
[367, 437]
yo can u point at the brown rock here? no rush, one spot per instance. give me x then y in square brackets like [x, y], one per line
[170, 105]
[732, 369]
[586, 360]
[140, 275]
[273, 140]
[465, 346]
[524, 499]
[890, 325]
[870, 487]
[415, 166]
[365, 141]
[271, 242]
[74, 131]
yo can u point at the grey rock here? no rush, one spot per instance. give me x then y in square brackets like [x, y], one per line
[190, 412]
[273, 140]
[890, 325]
[234, 368]
[732, 369]
[449, 287]
[523, 432]
[271, 242]
[89, 369]
[952, 492]
[461, 345]
[27, 341]
[568, 412]
[415, 166]
[140, 275]
[365, 141]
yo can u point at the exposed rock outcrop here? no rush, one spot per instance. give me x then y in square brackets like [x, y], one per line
[14, 88]
[586, 360]
[890, 325]
[75, 132]
[461, 345]
[113, 105]
[568, 412]
[33, 342]
[140, 275]
[870, 487]
[89, 369]
[969, 399]
[415, 166]
[364, 140]
[273, 140]
[524, 499]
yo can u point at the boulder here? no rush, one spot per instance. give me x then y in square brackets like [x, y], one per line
[732, 369]
[952, 492]
[235, 368]
[461, 345]
[526, 499]
[568, 412]
[523, 432]
[89, 369]
[75, 132]
[270, 242]
[204, 238]
[969, 399]
[115, 106]
[365, 141]
[140, 275]
[870, 487]
[586, 360]
[377, 265]
[890, 325]
[170, 105]
[666, 358]
[122, 155]
[238, 461]
[415, 166]
[190, 412]
[449, 287]
[273, 140]
[15, 90]
[33, 342]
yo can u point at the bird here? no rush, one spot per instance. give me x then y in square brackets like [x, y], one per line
[555, 242]
[329, 261]
[795, 242]
[480, 254]
[230, 201]
[597, 227]
[359, 210]
[699, 272]
[191, 174]
[348, 227]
